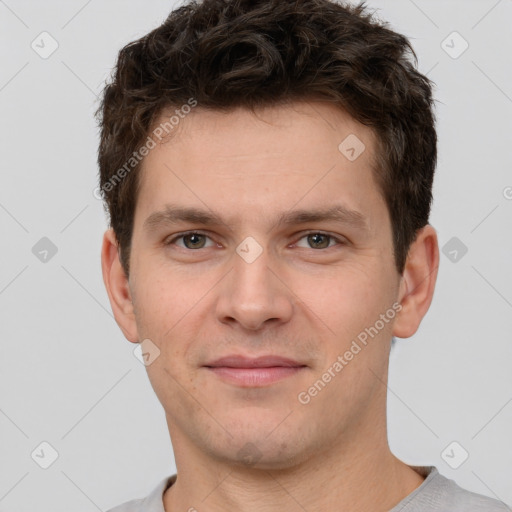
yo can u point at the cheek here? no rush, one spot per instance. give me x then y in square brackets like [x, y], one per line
[346, 301]
[163, 300]
[170, 309]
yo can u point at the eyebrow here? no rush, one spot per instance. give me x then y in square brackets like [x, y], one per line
[173, 214]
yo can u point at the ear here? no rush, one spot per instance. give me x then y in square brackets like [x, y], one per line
[417, 282]
[117, 287]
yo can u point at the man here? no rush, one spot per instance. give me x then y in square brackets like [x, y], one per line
[267, 167]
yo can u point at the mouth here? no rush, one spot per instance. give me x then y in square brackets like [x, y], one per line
[254, 372]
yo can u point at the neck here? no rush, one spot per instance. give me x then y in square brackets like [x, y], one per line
[358, 472]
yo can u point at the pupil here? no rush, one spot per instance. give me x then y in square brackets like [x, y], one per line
[193, 238]
[315, 239]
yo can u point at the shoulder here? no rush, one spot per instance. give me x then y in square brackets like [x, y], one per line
[151, 503]
[128, 506]
[440, 494]
[459, 499]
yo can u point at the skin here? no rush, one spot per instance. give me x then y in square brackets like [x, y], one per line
[301, 298]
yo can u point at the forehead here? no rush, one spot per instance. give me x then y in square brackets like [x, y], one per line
[275, 158]
[304, 121]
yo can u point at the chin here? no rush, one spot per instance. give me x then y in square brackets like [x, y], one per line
[263, 451]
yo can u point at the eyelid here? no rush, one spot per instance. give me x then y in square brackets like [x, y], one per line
[177, 236]
[338, 239]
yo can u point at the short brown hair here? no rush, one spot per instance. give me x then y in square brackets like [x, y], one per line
[249, 53]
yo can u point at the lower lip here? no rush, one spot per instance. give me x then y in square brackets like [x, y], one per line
[254, 377]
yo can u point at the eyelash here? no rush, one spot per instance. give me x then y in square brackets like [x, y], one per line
[182, 235]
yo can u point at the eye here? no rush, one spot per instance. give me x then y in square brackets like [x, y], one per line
[318, 240]
[191, 240]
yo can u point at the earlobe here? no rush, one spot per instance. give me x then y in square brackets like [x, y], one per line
[417, 282]
[117, 287]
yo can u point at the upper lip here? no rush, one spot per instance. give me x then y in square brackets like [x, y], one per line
[239, 361]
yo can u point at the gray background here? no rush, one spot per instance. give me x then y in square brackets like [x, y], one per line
[68, 376]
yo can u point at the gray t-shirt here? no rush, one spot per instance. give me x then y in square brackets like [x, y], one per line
[436, 494]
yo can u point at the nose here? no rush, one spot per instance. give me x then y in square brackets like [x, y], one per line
[254, 295]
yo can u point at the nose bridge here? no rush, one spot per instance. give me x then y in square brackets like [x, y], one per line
[252, 294]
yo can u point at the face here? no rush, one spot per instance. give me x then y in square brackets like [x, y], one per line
[258, 237]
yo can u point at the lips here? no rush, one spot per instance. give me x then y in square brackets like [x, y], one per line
[254, 372]
[238, 361]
